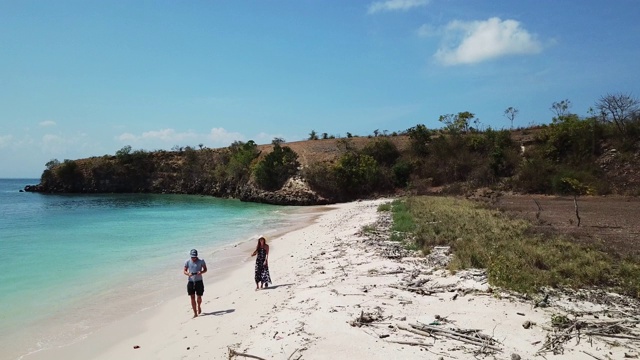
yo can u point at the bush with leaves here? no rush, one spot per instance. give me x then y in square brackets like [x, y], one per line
[322, 179]
[276, 167]
[241, 156]
[570, 139]
[401, 173]
[420, 137]
[356, 174]
[383, 151]
[69, 174]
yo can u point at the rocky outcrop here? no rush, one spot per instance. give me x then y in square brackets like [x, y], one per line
[295, 191]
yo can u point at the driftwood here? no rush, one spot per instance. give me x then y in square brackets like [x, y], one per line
[342, 268]
[618, 336]
[411, 343]
[593, 356]
[479, 340]
[566, 329]
[417, 290]
[367, 318]
[415, 331]
[575, 203]
[293, 353]
[233, 354]
[539, 208]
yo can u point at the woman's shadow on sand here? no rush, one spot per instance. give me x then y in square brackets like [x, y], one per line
[219, 312]
[276, 286]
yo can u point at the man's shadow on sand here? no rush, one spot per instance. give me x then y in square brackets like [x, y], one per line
[219, 312]
[276, 286]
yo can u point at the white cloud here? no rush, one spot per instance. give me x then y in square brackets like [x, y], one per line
[5, 140]
[395, 5]
[216, 137]
[264, 138]
[477, 41]
[47, 123]
[53, 144]
[426, 30]
[126, 137]
[221, 137]
[169, 135]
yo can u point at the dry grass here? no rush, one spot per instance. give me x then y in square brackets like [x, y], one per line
[514, 257]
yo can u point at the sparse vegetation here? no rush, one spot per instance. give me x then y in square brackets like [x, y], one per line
[515, 257]
[573, 155]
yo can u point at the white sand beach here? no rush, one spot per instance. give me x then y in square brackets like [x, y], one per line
[336, 296]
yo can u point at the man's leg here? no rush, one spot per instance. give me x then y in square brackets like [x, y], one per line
[199, 302]
[193, 304]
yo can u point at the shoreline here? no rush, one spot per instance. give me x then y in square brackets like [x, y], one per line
[236, 265]
[339, 294]
[79, 319]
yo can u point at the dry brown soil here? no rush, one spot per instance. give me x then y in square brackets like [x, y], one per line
[613, 222]
[312, 151]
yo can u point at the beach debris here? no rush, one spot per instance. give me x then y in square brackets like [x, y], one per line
[367, 318]
[542, 303]
[486, 343]
[233, 354]
[565, 329]
[417, 290]
[294, 352]
[136, 346]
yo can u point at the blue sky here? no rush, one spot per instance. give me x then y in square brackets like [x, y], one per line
[85, 78]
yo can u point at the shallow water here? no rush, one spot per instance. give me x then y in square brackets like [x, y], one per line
[69, 263]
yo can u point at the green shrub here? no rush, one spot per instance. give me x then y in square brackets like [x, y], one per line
[420, 137]
[356, 174]
[383, 151]
[276, 167]
[322, 179]
[534, 175]
[241, 157]
[70, 176]
[401, 173]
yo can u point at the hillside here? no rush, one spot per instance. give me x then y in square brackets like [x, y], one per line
[568, 158]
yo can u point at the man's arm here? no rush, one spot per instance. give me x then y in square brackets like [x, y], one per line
[204, 268]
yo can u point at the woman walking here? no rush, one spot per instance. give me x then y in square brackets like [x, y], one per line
[262, 276]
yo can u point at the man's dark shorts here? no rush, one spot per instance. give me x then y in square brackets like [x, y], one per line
[195, 288]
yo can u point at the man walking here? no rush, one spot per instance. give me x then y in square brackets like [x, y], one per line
[194, 268]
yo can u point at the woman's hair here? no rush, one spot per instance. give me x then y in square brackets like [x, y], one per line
[258, 246]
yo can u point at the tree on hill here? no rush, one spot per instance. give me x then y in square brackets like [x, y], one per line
[242, 155]
[560, 108]
[457, 123]
[276, 167]
[619, 109]
[510, 114]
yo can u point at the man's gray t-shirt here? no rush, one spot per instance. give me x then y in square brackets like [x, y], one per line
[194, 267]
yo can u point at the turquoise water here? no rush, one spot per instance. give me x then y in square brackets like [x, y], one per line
[62, 256]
